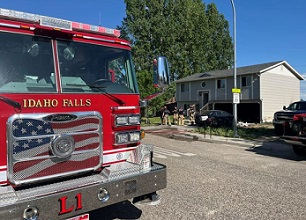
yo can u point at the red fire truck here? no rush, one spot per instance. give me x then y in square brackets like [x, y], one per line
[70, 119]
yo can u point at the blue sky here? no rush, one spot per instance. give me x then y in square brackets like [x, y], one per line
[267, 30]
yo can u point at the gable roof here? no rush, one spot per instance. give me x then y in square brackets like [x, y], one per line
[259, 69]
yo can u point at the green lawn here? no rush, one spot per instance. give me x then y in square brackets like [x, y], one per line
[251, 132]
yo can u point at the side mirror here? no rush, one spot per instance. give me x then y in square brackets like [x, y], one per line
[161, 72]
[143, 103]
[161, 77]
[284, 108]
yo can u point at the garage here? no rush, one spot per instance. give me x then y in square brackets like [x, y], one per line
[246, 112]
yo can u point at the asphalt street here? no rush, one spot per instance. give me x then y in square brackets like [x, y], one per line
[222, 180]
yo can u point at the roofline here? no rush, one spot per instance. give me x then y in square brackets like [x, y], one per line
[294, 72]
[299, 76]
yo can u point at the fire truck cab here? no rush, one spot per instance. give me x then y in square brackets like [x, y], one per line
[70, 119]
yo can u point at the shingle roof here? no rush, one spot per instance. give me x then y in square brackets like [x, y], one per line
[259, 68]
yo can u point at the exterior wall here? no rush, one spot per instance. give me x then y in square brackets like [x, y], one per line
[250, 92]
[279, 87]
[275, 88]
[196, 89]
[229, 86]
[182, 95]
[247, 93]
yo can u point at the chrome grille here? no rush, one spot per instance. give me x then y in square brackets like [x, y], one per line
[30, 140]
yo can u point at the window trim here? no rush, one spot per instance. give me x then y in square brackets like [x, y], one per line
[184, 87]
[204, 84]
[246, 81]
[220, 80]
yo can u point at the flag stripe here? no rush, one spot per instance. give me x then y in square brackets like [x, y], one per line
[85, 121]
[40, 150]
[69, 167]
[24, 170]
[32, 143]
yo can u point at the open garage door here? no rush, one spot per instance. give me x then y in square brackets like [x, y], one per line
[246, 112]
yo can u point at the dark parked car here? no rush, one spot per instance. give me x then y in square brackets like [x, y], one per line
[215, 118]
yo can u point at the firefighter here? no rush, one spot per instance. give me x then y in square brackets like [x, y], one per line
[192, 114]
[175, 115]
[161, 115]
[181, 116]
[166, 118]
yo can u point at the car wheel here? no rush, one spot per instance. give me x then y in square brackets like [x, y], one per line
[299, 150]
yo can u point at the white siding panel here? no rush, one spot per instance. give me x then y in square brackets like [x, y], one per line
[279, 87]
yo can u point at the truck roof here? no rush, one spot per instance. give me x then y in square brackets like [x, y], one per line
[55, 23]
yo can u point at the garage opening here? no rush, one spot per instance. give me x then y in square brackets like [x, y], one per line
[246, 112]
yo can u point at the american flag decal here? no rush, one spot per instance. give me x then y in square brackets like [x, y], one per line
[30, 140]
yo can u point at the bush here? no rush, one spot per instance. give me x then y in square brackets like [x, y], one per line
[253, 132]
[250, 133]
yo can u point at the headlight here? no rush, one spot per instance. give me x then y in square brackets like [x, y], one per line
[134, 137]
[122, 138]
[122, 120]
[204, 118]
[127, 137]
[134, 119]
[126, 120]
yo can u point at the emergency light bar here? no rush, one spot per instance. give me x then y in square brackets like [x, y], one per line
[56, 23]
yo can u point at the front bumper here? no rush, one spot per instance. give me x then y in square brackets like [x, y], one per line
[73, 197]
[295, 140]
[278, 122]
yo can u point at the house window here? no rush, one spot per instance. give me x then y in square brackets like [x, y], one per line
[246, 81]
[203, 84]
[221, 83]
[184, 87]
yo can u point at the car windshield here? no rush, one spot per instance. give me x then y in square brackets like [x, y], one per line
[208, 113]
[27, 66]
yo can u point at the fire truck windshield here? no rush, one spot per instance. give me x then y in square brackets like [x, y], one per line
[27, 65]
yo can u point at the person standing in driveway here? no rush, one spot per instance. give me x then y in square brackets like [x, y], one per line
[166, 117]
[192, 114]
[161, 115]
[175, 115]
[181, 116]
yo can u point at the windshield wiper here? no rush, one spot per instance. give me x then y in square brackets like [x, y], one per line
[11, 102]
[119, 101]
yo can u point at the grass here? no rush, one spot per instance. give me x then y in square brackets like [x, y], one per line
[251, 132]
[153, 121]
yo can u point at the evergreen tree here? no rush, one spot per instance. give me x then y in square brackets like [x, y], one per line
[194, 37]
[219, 45]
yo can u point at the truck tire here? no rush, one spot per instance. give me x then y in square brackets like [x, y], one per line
[296, 128]
[299, 150]
[278, 129]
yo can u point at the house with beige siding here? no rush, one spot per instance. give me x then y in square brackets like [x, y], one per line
[264, 89]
